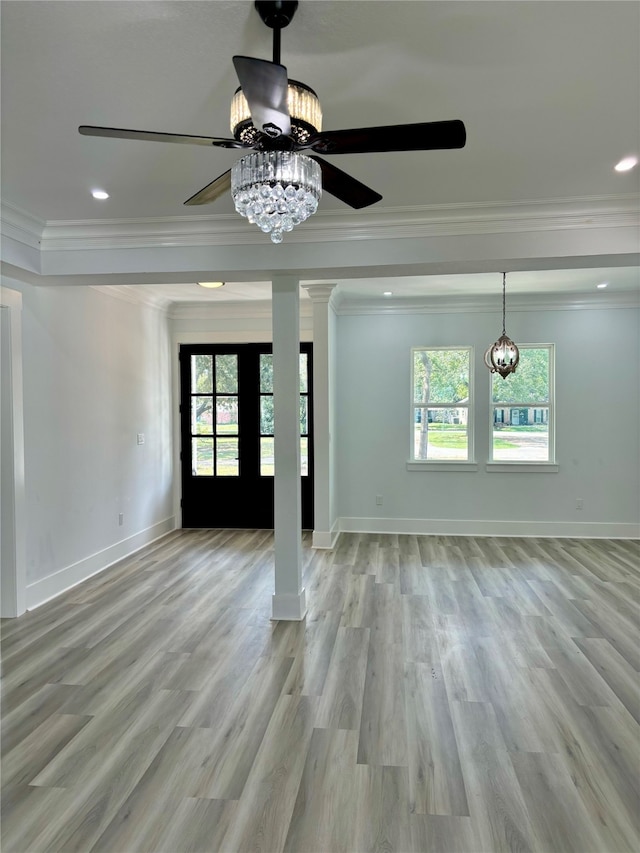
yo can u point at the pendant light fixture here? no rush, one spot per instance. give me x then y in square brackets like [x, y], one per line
[503, 356]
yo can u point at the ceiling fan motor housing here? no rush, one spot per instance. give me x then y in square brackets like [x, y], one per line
[304, 110]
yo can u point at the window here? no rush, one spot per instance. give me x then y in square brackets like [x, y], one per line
[441, 424]
[267, 464]
[214, 415]
[522, 409]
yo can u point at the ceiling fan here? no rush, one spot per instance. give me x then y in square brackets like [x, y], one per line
[279, 186]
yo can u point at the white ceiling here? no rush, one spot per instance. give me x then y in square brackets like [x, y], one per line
[549, 93]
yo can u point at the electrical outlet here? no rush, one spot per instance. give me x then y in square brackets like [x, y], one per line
[378, 500]
[140, 438]
[579, 503]
[120, 519]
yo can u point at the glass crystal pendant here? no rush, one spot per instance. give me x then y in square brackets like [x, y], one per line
[276, 190]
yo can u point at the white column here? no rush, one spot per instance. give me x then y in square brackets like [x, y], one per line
[323, 533]
[289, 599]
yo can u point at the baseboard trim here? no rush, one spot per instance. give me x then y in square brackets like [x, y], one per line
[289, 606]
[55, 584]
[326, 538]
[471, 527]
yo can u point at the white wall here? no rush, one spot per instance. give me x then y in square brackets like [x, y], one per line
[597, 365]
[96, 373]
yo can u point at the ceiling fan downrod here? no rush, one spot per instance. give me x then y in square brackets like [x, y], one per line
[276, 14]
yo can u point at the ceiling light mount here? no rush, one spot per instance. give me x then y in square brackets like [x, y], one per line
[503, 356]
[276, 14]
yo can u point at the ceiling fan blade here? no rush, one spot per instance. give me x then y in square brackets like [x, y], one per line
[423, 136]
[150, 136]
[346, 188]
[213, 190]
[265, 86]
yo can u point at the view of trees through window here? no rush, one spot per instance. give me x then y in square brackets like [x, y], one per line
[521, 406]
[441, 400]
[522, 409]
[214, 415]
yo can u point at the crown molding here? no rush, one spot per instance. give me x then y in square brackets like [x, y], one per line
[488, 304]
[614, 211]
[257, 310]
[133, 295]
[19, 225]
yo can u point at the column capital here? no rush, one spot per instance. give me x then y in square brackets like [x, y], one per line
[319, 292]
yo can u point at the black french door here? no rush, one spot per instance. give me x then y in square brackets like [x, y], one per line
[226, 414]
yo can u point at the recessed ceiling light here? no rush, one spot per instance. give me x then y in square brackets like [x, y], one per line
[99, 194]
[602, 285]
[388, 293]
[211, 284]
[626, 164]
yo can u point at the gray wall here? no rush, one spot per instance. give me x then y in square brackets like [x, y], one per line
[597, 362]
[96, 372]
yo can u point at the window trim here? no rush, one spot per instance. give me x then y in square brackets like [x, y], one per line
[469, 463]
[547, 465]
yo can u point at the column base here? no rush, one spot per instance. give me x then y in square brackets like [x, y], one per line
[288, 606]
[324, 538]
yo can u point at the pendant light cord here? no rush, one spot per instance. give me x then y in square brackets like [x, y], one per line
[504, 302]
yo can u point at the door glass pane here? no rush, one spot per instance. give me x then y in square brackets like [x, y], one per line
[202, 457]
[201, 374]
[227, 457]
[304, 456]
[304, 385]
[441, 434]
[266, 415]
[227, 374]
[227, 415]
[201, 415]
[266, 457]
[522, 435]
[266, 373]
[303, 416]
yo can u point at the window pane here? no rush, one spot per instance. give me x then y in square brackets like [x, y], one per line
[201, 415]
[522, 435]
[227, 415]
[303, 373]
[266, 373]
[530, 382]
[441, 434]
[266, 415]
[227, 374]
[227, 457]
[201, 374]
[266, 457]
[202, 457]
[441, 376]
[303, 416]
[304, 456]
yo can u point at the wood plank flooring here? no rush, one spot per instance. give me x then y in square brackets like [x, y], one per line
[443, 695]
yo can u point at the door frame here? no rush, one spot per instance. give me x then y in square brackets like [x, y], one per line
[14, 573]
[226, 326]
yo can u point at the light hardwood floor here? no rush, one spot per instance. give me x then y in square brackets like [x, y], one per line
[444, 694]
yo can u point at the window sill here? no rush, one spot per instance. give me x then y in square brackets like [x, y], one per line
[412, 465]
[522, 467]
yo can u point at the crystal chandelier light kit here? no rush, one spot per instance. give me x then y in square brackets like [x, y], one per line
[277, 190]
[503, 356]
